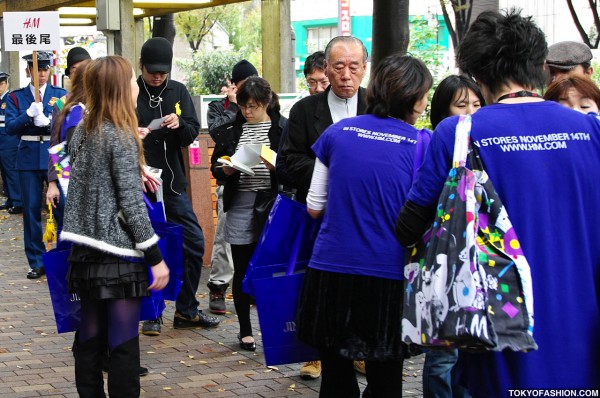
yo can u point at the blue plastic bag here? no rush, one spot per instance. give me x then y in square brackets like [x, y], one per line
[275, 276]
[156, 210]
[172, 253]
[173, 250]
[67, 305]
[288, 224]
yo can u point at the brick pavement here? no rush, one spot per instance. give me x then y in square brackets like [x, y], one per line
[35, 361]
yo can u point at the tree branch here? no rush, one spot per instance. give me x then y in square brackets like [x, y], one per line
[580, 29]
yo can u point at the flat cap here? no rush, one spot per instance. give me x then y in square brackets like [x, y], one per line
[568, 54]
[4, 76]
[44, 59]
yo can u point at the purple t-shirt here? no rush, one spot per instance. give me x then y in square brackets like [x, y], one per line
[370, 162]
[544, 161]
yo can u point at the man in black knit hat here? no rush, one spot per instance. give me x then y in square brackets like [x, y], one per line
[74, 57]
[220, 114]
[161, 97]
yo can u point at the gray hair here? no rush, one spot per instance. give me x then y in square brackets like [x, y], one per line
[348, 40]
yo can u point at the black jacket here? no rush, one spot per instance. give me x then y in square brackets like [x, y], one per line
[309, 118]
[226, 144]
[162, 147]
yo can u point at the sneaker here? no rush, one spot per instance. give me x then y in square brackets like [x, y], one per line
[217, 298]
[151, 327]
[311, 370]
[200, 320]
[359, 366]
[217, 303]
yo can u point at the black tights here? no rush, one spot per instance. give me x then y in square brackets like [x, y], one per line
[384, 378]
[241, 255]
[117, 320]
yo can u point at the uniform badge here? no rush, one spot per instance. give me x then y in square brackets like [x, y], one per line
[4, 105]
[52, 101]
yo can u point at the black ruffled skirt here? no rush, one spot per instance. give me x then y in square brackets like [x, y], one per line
[358, 317]
[98, 275]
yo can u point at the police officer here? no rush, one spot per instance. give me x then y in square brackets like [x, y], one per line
[8, 155]
[30, 121]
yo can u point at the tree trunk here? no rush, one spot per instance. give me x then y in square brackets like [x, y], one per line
[391, 32]
[164, 26]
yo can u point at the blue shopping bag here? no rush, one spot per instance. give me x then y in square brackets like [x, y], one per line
[288, 233]
[67, 306]
[277, 295]
[173, 249]
[172, 253]
[153, 305]
[156, 210]
[275, 276]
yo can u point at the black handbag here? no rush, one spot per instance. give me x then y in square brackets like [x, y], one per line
[262, 207]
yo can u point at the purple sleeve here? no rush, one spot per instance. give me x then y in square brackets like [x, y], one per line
[71, 120]
[436, 164]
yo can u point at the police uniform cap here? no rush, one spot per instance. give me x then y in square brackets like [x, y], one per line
[4, 76]
[157, 55]
[567, 55]
[44, 59]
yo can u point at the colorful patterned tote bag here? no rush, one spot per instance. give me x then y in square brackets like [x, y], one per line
[468, 284]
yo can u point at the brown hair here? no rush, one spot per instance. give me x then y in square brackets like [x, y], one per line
[76, 95]
[397, 84]
[586, 87]
[107, 82]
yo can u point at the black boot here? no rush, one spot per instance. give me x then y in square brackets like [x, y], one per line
[88, 368]
[123, 370]
[216, 303]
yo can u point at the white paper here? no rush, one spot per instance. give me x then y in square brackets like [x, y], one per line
[248, 155]
[236, 165]
[244, 159]
[155, 124]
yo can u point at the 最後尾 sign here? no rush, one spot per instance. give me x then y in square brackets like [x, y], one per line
[31, 31]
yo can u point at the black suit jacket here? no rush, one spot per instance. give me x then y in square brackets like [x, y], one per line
[308, 119]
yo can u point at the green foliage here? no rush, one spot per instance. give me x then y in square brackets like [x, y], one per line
[206, 73]
[423, 45]
[196, 24]
[596, 74]
[243, 24]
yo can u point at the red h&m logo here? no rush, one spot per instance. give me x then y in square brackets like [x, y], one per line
[31, 23]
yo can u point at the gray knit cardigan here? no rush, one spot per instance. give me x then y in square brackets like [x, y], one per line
[105, 208]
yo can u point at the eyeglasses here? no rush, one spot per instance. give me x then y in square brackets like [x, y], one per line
[314, 83]
[250, 108]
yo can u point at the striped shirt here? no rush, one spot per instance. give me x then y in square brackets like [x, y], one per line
[255, 134]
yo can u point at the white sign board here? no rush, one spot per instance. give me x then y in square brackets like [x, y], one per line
[31, 31]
